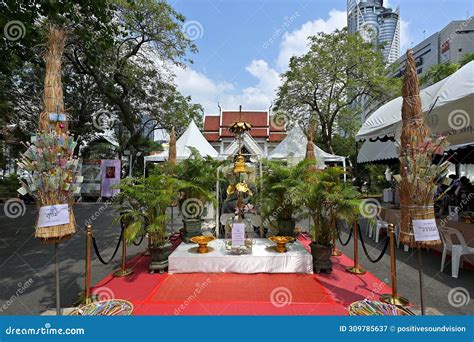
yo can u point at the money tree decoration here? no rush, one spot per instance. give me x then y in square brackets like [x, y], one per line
[52, 170]
[418, 147]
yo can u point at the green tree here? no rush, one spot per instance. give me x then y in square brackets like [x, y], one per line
[117, 60]
[440, 71]
[320, 86]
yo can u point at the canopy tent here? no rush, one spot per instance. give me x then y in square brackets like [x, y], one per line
[293, 148]
[386, 152]
[377, 151]
[451, 102]
[192, 137]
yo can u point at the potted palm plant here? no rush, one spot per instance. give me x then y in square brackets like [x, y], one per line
[198, 178]
[280, 194]
[328, 199]
[143, 203]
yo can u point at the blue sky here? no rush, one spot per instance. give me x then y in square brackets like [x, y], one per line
[245, 44]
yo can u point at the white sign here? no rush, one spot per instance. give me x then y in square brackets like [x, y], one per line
[425, 230]
[53, 215]
[238, 234]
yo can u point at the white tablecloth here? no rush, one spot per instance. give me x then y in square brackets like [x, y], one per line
[263, 259]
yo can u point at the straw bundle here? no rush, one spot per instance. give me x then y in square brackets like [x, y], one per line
[53, 89]
[416, 200]
[53, 102]
[172, 147]
[49, 158]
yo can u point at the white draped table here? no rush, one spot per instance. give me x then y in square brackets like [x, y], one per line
[263, 259]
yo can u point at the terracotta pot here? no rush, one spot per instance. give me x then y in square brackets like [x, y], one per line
[321, 258]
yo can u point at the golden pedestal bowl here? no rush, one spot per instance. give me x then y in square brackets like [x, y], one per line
[281, 242]
[202, 241]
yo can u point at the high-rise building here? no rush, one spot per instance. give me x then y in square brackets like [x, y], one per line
[449, 45]
[376, 23]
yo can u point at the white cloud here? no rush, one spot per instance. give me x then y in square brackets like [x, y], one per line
[209, 92]
[296, 42]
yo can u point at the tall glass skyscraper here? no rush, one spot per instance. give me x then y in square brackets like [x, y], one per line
[376, 23]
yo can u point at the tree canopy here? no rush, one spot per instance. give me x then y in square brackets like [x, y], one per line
[329, 82]
[117, 63]
[440, 71]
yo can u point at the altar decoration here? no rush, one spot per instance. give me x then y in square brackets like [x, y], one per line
[202, 241]
[52, 171]
[417, 151]
[112, 307]
[239, 237]
[373, 308]
[281, 242]
[238, 230]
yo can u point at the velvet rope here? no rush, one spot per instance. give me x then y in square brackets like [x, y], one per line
[339, 236]
[96, 248]
[365, 249]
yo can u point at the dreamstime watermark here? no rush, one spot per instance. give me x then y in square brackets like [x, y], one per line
[459, 119]
[104, 293]
[19, 291]
[280, 120]
[458, 296]
[101, 209]
[46, 330]
[457, 210]
[377, 288]
[293, 194]
[192, 208]
[461, 27]
[281, 296]
[103, 119]
[369, 32]
[193, 29]
[14, 30]
[200, 287]
[14, 208]
[370, 208]
[287, 21]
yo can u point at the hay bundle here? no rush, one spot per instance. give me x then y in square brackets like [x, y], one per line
[53, 90]
[417, 176]
[310, 154]
[52, 170]
[172, 147]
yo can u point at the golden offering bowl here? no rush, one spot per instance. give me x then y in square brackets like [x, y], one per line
[281, 242]
[202, 241]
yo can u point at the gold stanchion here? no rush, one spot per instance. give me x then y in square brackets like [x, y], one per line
[123, 271]
[147, 251]
[393, 298]
[356, 269]
[335, 251]
[88, 264]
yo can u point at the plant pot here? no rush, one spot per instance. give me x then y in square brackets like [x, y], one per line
[286, 227]
[159, 257]
[192, 228]
[321, 258]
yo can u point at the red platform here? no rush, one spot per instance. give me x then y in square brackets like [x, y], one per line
[241, 294]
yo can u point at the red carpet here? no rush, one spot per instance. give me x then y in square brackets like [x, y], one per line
[250, 288]
[241, 294]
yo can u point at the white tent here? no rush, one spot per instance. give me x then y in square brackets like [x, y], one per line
[293, 148]
[377, 150]
[192, 137]
[452, 104]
